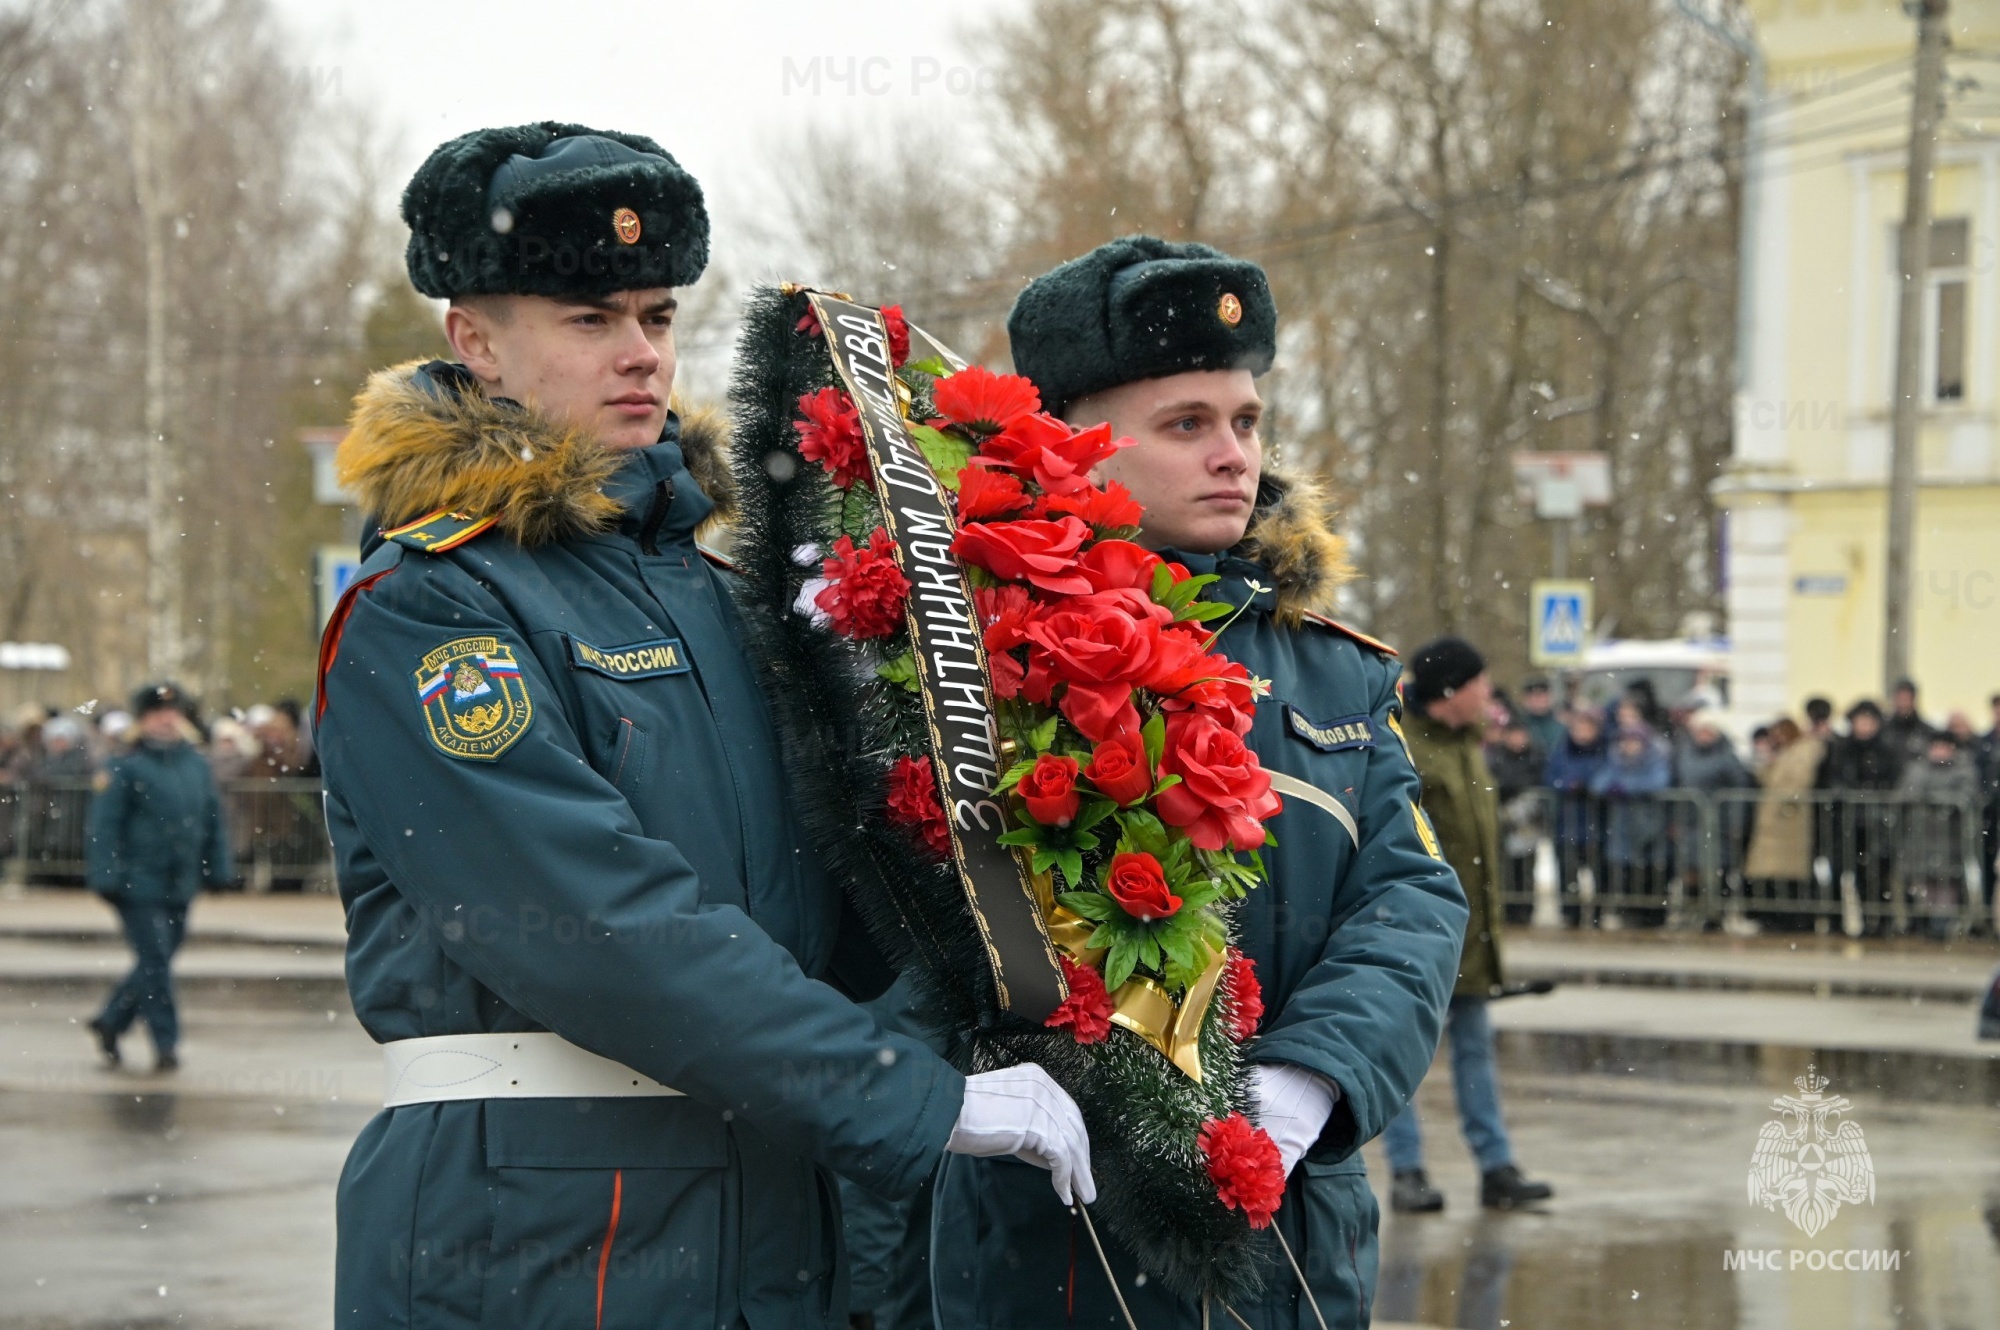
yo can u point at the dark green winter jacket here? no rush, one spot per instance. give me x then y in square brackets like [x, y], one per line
[556, 801]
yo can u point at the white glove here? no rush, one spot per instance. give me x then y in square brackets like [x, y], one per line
[1021, 1111]
[1293, 1105]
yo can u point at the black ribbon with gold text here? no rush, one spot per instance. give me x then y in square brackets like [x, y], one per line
[951, 666]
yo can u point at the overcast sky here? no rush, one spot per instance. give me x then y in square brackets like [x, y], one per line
[716, 83]
[720, 85]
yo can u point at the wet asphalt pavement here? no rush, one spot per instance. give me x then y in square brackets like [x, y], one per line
[207, 1201]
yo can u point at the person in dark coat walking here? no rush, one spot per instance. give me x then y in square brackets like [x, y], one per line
[155, 838]
[1447, 693]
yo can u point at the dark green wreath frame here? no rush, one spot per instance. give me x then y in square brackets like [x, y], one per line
[843, 726]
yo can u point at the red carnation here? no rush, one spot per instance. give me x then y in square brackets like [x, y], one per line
[1057, 458]
[865, 591]
[1107, 509]
[1049, 790]
[1086, 1012]
[1139, 885]
[1224, 795]
[830, 434]
[1244, 1165]
[985, 494]
[1246, 996]
[983, 401]
[899, 334]
[1040, 553]
[913, 803]
[1119, 771]
[1005, 613]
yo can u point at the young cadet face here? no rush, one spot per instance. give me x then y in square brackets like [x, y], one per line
[602, 364]
[1196, 456]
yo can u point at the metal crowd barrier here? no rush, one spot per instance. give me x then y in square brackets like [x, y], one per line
[1853, 861]
[276, 829]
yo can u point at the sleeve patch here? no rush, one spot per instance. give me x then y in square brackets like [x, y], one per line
[474, 700]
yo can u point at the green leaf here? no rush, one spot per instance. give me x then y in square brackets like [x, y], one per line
[1093, 812]
[1094, 905]
[902, 671]
[1124, 957]
[1204, 611]
[1030, 835]
[1044, 734]
[1149, 949]
[1071, 864]
[1044, 859]
[1166, 783]
[1013, 776]
[1154, 734]
[934, 366]
[947, 456]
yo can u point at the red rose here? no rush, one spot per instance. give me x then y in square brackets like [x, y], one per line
[984, 494]
[1116, 565]
[1246, 996]
[1139, 885]
[1119, 771]
[1107, 509]
[1245, 1166]
[899, 333]
[830, 434]
[1049, 790]
[1086, 1012]
[981, 400]
[1224, 795]
[1099, 711]
[1040, 553]
[1096, 639]
[913, 803]
[865, 591]
[809, 323]
[1095, 645]
[1191, 682]
[1057, 458]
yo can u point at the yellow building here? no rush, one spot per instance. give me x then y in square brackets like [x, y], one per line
[1806, 493]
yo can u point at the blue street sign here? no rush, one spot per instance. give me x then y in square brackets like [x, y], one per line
[1559, 615]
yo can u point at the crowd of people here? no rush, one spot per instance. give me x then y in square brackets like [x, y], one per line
[1872, 812]
[51, 761]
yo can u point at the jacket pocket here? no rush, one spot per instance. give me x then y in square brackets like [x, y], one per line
[1339, 1249]
[611, 1202]
[630, 755]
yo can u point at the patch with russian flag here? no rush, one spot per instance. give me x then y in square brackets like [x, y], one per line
[474, 700]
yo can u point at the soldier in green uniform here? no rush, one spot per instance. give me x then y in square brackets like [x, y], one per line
[618, 999]
[1449, 693]
[154, 839]
[1356, 936]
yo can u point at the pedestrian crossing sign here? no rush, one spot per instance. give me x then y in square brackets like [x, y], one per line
[1559, 618]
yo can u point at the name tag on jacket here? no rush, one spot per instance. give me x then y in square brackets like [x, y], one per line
[1334, 736]
[639, 660]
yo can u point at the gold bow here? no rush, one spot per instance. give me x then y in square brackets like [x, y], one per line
[1139, 1004]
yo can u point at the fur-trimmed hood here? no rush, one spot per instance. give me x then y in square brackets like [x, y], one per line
[1291, 534]
[425, 436]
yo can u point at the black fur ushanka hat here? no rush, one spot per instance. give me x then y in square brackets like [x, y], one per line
[552, 209]
[1140, 308]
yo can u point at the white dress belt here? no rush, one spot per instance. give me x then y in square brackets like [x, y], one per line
[539, 1065]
